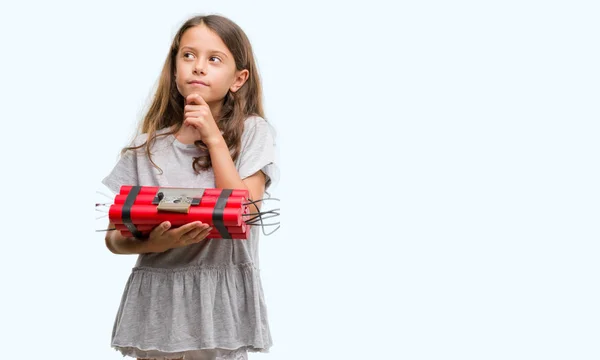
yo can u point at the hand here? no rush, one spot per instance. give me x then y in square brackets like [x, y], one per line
[197, 114]
[163, 238]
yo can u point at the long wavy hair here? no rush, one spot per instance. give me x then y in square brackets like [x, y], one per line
[166, 109]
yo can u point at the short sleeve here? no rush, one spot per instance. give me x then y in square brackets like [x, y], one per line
[258, 150]
[124, 172]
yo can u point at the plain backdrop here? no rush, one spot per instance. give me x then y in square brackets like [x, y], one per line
[439, 173]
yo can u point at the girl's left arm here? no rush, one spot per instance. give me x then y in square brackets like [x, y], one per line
[197, 114]
[227, 176]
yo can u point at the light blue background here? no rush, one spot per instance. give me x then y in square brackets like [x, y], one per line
[439, 173]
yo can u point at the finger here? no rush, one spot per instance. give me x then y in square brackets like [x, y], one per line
[162, 228]
[190, 108]
[197, 235]
[198, 231]
[202, 234]
[191, 236]
[189, 122]
[195, 99]
[184, 229]
[185, 238]
[194, 114]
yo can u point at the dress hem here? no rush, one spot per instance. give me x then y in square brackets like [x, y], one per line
[159, 354]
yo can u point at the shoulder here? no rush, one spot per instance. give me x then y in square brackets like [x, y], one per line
[254, 121]
[257, 126]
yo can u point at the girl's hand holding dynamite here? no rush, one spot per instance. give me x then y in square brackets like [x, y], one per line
[163, 238]
[169, 217]
[137, 211]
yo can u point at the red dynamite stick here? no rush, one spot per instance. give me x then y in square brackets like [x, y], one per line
[232, 202]
[153, 190]
[212, 235]
[149, 214]
[147, 228]
[207, 201]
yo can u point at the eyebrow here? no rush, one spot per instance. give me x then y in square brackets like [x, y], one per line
[210, 51]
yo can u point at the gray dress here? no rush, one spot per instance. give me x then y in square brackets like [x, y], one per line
[202, 296]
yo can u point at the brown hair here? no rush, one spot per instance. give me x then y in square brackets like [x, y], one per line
[166, 109]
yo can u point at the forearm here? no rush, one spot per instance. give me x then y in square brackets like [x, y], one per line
[118, 244]
[226, 174]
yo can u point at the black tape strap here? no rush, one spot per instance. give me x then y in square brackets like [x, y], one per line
[218, 213]
[126, 213]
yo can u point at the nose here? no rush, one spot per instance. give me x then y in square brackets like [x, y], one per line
[200, 67]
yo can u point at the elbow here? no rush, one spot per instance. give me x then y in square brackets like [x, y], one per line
[109, 244]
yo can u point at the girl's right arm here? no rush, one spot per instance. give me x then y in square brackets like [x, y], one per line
[162, 238]
[118, 244]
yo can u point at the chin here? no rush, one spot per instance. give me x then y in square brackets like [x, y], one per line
[204, 95]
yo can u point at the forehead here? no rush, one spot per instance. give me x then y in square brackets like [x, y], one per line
[202, 38]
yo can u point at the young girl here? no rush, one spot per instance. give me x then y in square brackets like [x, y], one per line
[189, 297]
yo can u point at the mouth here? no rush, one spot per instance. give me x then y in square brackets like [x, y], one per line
[197, 83]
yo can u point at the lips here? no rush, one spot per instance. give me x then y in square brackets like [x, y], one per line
[197, 82]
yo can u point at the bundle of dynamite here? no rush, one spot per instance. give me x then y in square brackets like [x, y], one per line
[138, 209]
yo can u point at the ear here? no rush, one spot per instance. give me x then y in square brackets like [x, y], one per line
[240, 79]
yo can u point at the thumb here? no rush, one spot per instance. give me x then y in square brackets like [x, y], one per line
[164, 227]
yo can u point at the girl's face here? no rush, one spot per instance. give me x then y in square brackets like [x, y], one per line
[205, 66]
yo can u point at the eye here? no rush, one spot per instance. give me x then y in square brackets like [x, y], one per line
[188, 55]
[215, 58]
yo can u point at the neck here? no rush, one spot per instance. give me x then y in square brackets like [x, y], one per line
[215, 108]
